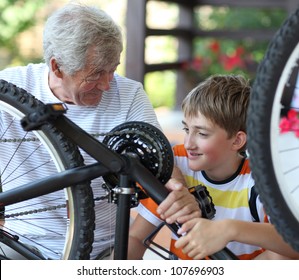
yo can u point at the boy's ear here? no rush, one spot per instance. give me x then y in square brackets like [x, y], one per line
[240, 140]
[55, 68]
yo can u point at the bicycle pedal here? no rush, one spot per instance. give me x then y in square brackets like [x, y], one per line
[43, 115]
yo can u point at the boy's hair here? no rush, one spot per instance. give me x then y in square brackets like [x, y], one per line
[223, 99]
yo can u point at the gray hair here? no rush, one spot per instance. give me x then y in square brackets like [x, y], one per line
[73, 30]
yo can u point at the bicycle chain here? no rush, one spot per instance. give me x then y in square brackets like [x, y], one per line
[52, 208]
[45, 209]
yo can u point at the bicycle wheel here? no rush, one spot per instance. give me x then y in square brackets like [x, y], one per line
[273, 148]
[58, 225]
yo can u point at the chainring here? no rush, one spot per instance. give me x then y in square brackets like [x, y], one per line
[146, 142]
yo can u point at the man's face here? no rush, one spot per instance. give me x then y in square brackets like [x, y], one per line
[86, 87]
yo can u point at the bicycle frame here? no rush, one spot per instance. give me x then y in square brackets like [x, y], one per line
[128, 167]
[108, 161]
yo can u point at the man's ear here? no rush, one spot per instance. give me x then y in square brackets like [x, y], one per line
[240, 140]
[55, 68]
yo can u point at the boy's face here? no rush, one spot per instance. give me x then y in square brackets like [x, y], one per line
[208, 147]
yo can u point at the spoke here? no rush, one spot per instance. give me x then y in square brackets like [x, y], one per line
[288, 150]
[291, 170]
[33, 169]
[21, 163]
[3, 171]
[7, 128]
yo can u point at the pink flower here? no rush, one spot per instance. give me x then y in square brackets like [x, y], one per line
[290, 123]
[292, 114]
[284, 125]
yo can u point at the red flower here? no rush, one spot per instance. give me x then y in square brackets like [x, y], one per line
[240, 51]
[212, 59]
[233, 61]
[215, 47]
[197, 63]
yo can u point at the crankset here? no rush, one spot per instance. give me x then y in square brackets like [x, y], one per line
[145, 141]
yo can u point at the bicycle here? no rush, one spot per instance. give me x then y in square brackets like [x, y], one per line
[272, 131]
[133, 154]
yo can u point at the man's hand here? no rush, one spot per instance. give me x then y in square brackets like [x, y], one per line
[180, 205]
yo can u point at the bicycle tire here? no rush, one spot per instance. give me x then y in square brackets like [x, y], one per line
[271, 163]
[77, 217]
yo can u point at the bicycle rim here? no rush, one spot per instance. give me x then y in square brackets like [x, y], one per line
[274, 152]
[58, 225]
[285, 146]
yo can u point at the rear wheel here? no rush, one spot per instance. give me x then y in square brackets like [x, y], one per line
[273, 143]
[58, 225]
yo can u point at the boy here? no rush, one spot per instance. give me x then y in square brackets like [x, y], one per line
[214, 155]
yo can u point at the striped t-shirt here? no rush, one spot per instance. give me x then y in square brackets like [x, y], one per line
[230, 197]
[125, 101]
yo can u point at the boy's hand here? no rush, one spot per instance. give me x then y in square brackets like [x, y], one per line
[180, 205]
[203, 238]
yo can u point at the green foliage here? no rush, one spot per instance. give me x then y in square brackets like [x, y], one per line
[220, 57]
[160, 87]
[217, 55]
[231, 56]
[224, 18]
[238, 18]
[16, 17]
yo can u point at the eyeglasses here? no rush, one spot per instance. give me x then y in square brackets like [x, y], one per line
[97, 76]
[94, 78]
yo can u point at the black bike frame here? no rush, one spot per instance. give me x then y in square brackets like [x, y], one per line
[129, 168]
